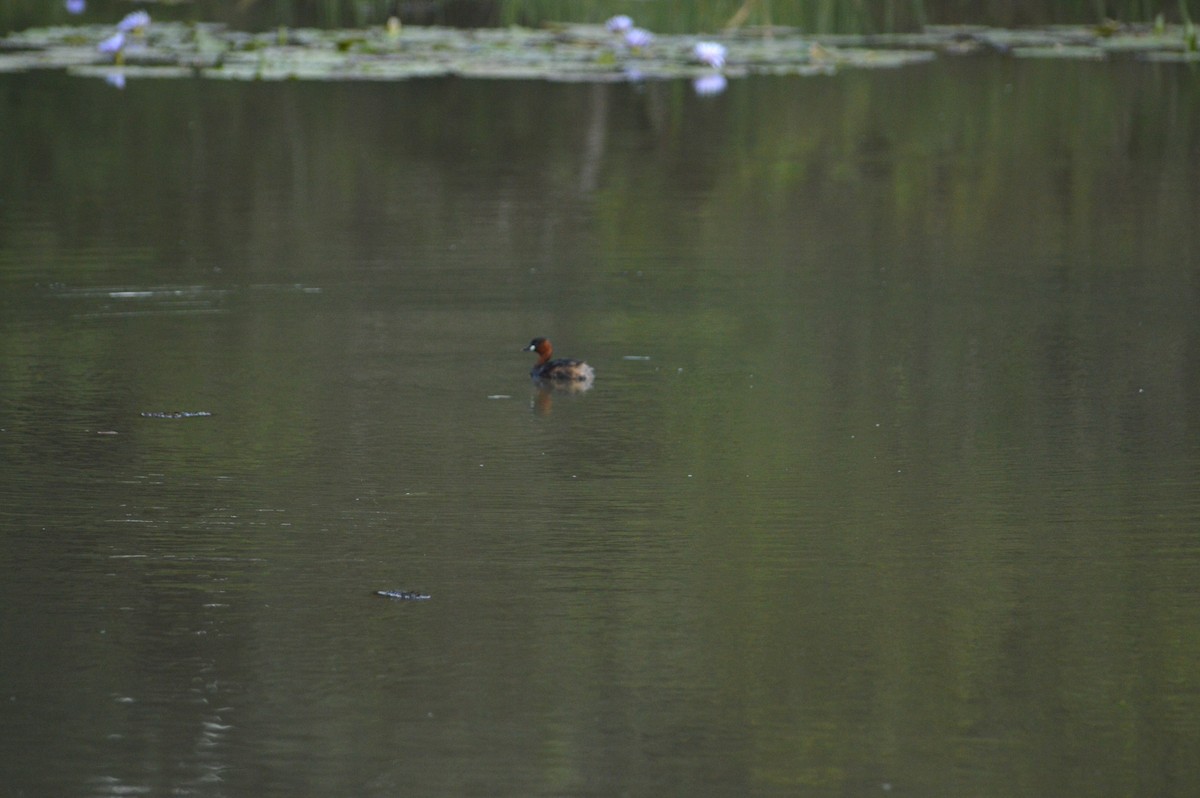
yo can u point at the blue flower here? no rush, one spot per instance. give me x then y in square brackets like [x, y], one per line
[134, 20]
[76, 6]
[619, 24]
[710, 54]
[113, 44]
[638, 37]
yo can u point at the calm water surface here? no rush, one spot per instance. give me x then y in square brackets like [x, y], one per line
[887, 484]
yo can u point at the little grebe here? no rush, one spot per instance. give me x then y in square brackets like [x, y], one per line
[562, 370]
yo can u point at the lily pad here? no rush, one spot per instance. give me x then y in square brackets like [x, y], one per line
[131, 71]
[1061, 51]
[586, 53]
[1189, 57]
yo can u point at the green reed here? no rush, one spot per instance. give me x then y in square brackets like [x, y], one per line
[664, 16]
[840, 16]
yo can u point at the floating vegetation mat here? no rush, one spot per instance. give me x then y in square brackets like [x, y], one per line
[563, 53]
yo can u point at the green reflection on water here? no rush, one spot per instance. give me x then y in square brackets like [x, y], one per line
[887, 477]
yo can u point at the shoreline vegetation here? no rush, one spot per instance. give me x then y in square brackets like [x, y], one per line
[557, 52]
[670, 16]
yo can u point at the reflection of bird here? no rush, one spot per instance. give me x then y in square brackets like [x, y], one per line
[564, 370]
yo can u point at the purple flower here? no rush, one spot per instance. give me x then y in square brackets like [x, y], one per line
[710, 54]
[638, 37]
[115, 79]
[709, 85]
[76, 6]
[619, 24]
[113, 44]
[133, 21]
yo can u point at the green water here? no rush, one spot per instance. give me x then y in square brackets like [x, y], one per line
[887, 483]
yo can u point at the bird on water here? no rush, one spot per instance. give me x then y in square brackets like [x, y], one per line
[561, 370]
